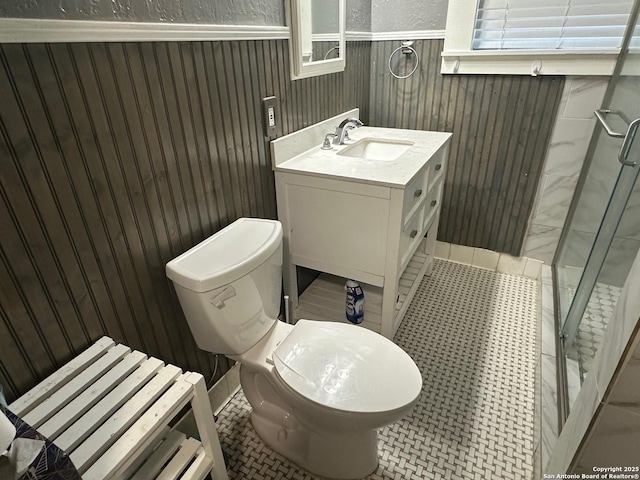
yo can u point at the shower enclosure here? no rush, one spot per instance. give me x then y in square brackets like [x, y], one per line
[601, 236]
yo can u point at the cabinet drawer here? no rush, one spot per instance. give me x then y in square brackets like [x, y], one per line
[414, 194]
[436, 167]
[410, 236]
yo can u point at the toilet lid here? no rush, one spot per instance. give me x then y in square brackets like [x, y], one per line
[346, 367]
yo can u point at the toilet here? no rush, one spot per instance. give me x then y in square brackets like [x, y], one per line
[318, 390]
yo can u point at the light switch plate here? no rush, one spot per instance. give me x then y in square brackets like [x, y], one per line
[269, 109]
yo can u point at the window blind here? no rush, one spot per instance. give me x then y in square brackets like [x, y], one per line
[550, 24]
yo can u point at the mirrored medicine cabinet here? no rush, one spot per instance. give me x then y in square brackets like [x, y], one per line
[317, 44]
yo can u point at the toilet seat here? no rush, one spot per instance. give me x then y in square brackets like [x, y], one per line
[374, 374]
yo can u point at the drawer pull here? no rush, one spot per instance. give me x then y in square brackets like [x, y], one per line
[438, 167]
[434, 203]
[417, 193]
[413, 233]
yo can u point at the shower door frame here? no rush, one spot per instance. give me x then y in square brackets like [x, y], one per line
[627, 175]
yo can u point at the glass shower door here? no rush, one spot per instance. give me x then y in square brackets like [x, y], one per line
[602, 236]
[606, 268]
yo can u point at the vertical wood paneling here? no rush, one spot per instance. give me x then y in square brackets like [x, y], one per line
[500, 128]
[115, 158]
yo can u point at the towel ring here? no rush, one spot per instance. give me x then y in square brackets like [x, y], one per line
[331, 50]
[406, 48]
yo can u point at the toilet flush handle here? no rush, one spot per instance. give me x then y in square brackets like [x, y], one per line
[226, 294]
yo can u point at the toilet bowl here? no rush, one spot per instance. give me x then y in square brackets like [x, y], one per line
[318, 390]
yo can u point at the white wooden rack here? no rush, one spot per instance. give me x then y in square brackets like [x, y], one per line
[111, 409]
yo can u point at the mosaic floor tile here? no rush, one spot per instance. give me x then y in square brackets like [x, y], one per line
[594, 322]
[472, 334]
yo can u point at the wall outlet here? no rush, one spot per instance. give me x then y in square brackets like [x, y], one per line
[269, 109]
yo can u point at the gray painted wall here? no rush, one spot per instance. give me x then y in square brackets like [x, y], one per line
[325, 20]
[220, 12]
[223, 12]
[359, 15]
[401, 15]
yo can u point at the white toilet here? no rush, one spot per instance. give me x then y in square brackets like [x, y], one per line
[318, 390]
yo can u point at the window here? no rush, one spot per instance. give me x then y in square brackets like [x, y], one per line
[550, 24]
[578, 37]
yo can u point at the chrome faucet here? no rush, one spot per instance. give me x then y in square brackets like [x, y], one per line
[342, 132]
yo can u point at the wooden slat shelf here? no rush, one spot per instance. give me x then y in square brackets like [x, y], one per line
[410, 277]
[110, 409]
[409, 282]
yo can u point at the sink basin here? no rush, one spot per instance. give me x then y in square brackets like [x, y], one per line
[376, 149]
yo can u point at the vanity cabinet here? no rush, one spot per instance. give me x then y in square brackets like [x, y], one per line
[382, 235]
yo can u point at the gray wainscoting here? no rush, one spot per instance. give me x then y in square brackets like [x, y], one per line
[501, 128]
[115, 158]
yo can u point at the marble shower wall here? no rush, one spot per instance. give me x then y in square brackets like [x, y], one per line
[568, 146]
[567, 149]
[599, 184]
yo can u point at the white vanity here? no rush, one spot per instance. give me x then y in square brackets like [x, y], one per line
[367, 210]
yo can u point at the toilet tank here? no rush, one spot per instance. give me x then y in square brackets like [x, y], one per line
[229, 285]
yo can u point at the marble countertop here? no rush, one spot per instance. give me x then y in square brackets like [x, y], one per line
[395, 173]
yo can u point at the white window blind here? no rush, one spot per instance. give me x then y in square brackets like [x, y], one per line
[550, 24]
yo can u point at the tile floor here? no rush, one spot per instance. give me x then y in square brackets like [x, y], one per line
[472, 333]
[590, 333]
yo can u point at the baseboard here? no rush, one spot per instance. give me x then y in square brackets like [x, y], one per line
[489, 260]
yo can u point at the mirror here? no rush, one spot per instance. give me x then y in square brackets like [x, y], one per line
[317, 37]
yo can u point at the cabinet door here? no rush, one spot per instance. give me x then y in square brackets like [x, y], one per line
[337, 231]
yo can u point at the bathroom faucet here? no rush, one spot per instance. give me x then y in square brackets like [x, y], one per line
[343, 129]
